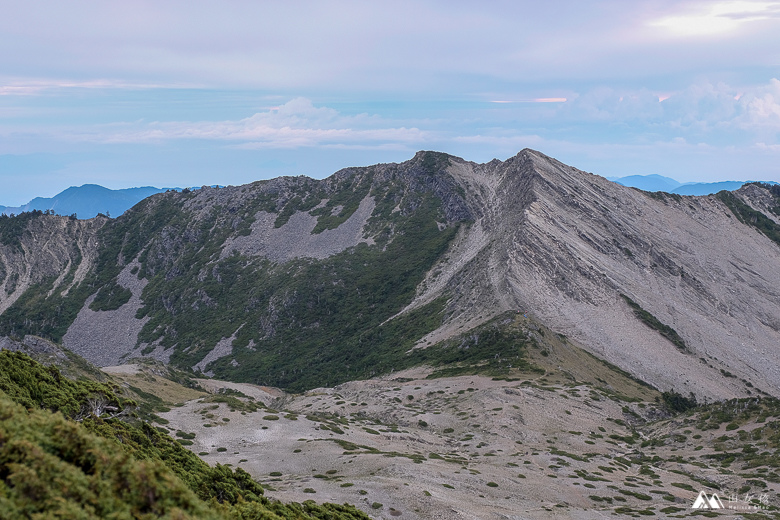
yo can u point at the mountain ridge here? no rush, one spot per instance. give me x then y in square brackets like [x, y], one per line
[89, 200]
[591, 288]
[416, 255]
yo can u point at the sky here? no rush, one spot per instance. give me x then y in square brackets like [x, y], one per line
[189, 93]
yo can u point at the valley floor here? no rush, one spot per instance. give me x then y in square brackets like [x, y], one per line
[472, 447]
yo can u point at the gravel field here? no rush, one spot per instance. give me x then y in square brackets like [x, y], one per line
[405, 446]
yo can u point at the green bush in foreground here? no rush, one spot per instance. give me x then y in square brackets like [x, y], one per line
[54, 467]
[33, 385]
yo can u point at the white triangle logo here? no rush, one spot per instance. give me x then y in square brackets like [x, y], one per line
[705, 502]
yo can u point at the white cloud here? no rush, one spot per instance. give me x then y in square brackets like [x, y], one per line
[295, 124]
[702, 112]
[716, 18]
[18, 90]
[33, 86]
[610, 104]
[761, 108]
[703, 107]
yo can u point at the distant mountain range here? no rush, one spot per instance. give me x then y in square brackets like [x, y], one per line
[669, 185]
[87, 201]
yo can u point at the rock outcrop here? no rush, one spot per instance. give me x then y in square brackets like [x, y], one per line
[49, 249]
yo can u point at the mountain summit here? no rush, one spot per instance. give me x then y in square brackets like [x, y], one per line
[298, 283]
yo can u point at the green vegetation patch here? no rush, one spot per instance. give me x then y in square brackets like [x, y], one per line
[121, 240]
[235, 404]
[12, 229]
[33, 385]
[751, 217]
[348, 197]
[110, 297]
[292, 336]
[655, 324]
[495, 348]
[678, 403]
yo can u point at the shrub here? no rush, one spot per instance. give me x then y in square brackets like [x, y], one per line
[677, 403]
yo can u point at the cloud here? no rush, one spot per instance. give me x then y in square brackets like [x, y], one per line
[716, 18]
[33, 86]
[417, 47]
[761, 108]
[531, 100]
[19, 90]
[295, 124]
[704, 131]
[185, 85]
[702, 107]
[701, 112]
[613, 105]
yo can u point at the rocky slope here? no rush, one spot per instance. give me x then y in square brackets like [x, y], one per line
[564, 245]
[37, 248]
[301, 283]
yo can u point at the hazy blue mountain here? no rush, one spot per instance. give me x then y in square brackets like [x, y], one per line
[87, 201]
[706, 188]
[669, 185]
[648, 182]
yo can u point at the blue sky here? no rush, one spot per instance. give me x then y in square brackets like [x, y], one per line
[190, 93]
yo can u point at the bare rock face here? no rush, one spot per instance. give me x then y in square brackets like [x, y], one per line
[33, 345]
[47, 247]
[107, 337]
[564, 245]
[296, 240]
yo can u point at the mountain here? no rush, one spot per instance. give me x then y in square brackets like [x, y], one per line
[301, 283]
[707, 188]
[87, 201]
[669, 185]
[652, 182]
[445, 339]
